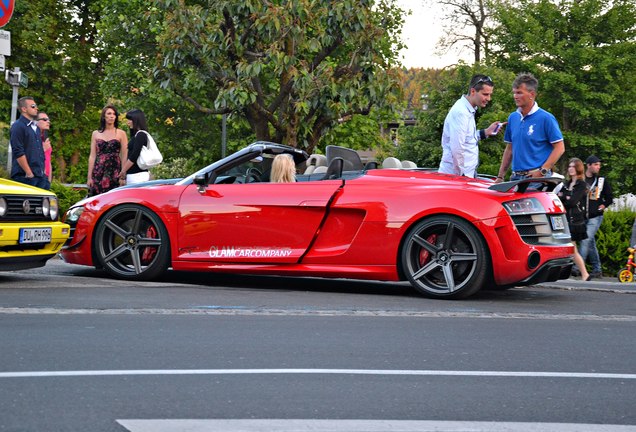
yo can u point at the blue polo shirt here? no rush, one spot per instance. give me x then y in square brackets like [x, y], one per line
[532, 138]
[26, 142]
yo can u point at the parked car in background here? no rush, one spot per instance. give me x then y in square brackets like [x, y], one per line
[449, 236]
[30, 230]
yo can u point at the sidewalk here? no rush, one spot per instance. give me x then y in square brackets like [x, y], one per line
[605, 284]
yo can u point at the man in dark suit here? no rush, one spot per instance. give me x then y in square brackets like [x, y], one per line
[27, 165]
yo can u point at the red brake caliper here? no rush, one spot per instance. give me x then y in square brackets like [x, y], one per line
[425, 256]
[149, 252]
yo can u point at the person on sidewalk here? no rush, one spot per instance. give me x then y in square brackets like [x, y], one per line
[534, 142]
[600, 197]
[574, 198]
[460, 149]
[27, 152]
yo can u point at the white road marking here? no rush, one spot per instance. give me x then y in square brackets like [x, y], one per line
[140, 372]
[251, 311]
[306, 425]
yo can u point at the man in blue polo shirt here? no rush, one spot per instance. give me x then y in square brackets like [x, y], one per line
[534, 142]
[27, 165]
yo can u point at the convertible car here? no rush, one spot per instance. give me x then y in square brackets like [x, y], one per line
[30, 232]
[449, 236]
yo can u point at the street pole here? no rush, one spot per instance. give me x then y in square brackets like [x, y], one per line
[14, 116]
[223, 135]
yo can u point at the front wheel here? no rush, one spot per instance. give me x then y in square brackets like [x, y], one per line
[625, 275]
[131, 242]
[445, 257]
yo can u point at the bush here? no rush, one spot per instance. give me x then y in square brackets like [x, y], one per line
[174, 168]
[612, 239]
[67, 196]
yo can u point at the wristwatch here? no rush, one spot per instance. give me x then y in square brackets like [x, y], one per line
[543, 171]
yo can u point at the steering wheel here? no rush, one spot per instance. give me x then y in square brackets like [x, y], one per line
[253, 175]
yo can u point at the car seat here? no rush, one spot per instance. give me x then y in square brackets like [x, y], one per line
[315, 161]
[334, 170]
[408, 164]
[392, 163]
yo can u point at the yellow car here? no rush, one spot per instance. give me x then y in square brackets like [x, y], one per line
[30, 232]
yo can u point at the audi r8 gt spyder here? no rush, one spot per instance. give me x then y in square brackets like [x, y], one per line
[449, 236]
[30, 232]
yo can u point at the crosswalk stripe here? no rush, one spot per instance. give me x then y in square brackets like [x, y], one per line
[531, 374]
[307, 425]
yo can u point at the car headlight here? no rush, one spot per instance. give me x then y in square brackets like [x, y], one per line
[45, 207]
[53, 208]
[73, 215]
[524, 206]
[3, 206]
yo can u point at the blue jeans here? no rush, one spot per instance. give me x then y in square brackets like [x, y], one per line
[587, 247]
[37, 181]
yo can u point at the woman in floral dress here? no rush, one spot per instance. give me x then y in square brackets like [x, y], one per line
[109, 148]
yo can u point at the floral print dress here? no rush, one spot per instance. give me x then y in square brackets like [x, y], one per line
[107, 166]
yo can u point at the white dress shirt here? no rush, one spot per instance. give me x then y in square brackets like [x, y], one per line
[459, 140]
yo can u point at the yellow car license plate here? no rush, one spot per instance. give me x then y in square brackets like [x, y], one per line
[35, 235]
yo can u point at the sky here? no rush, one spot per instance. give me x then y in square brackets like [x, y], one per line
[422, 29]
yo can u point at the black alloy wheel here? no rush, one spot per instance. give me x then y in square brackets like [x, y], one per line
[445, 257]
[131, 242]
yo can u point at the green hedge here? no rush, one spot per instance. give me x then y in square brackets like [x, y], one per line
[612, 240]
[67, 196]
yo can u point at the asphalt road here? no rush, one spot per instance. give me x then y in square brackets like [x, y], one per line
[203, 352]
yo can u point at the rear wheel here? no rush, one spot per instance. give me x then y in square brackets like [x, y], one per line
[445, 257]
[625, 275]
[131, 242]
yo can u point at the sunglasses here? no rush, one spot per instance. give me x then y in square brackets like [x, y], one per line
[34, 106]
[485, 80]
[46, 119]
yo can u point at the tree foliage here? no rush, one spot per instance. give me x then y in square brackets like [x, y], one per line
[584, 54]
[56, 51]
[293, 69]
[128, 33]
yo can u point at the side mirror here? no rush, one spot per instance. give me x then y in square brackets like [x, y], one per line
[201, 181]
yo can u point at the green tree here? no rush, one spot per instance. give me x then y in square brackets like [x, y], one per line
[128, 31]
[584, 54]
[56, 51]
[292, 69]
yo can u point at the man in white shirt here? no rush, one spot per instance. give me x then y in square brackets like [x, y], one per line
[460, 137]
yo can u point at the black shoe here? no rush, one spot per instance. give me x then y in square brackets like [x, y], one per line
[589, 278]
[596, 275]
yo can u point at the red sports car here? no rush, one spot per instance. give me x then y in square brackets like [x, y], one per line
[449, 236]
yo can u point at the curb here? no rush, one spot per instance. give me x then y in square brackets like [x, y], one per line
[605, 284]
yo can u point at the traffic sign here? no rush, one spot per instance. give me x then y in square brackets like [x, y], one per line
[5, 41]
[23, 80]
[6, 11]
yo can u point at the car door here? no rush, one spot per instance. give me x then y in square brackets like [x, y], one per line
[252, 222]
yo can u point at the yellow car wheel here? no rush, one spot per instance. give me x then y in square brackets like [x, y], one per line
[625, 275]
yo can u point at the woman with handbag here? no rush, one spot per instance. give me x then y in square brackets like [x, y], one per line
[574, 197]
[131, 172]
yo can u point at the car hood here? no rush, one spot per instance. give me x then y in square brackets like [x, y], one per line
[11, 187]
[150, 183]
